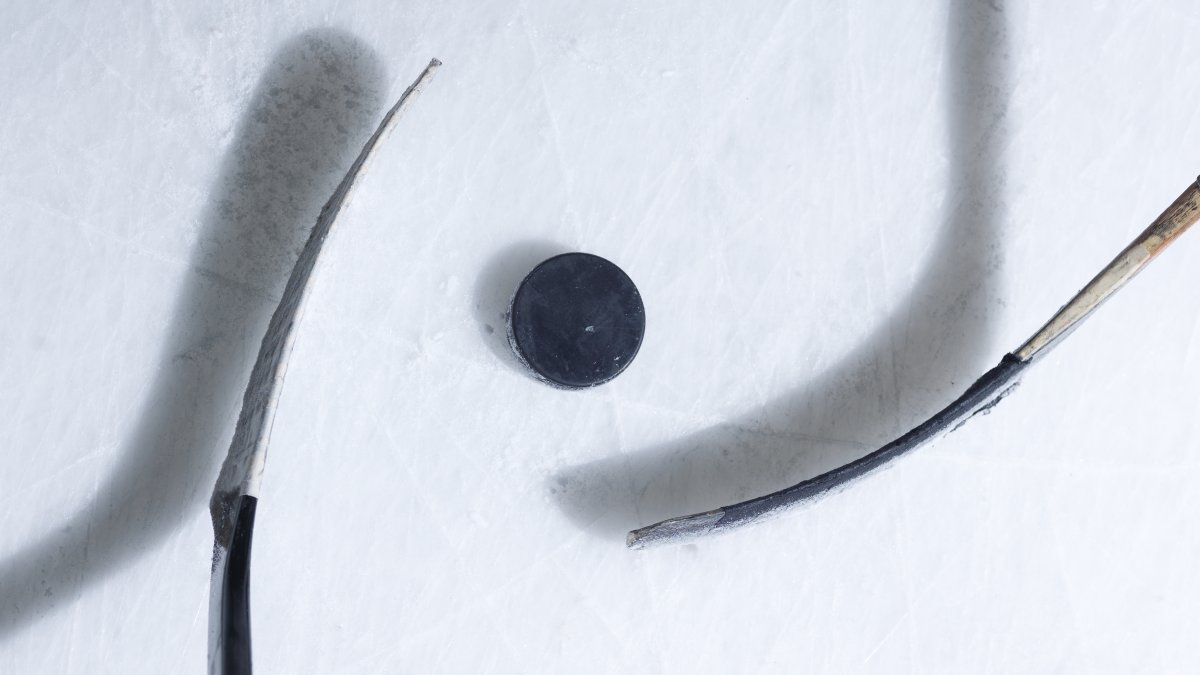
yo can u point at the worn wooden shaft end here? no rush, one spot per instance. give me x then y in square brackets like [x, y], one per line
[1178, 217]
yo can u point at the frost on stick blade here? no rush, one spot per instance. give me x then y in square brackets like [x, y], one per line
[674, 530]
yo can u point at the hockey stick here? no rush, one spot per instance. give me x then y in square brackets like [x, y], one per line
[235, 496]
[981, 396]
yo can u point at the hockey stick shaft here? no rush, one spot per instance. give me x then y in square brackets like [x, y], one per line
[1178, 217]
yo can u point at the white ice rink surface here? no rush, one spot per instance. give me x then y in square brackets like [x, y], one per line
[838, 215]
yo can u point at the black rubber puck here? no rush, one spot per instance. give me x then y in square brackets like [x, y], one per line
[576, 321]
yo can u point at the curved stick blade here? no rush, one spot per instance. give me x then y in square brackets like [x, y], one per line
[981, 396]
[986, 392]
[236, 490]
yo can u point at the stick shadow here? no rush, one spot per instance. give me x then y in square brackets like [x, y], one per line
[311, 111]
[930, 348]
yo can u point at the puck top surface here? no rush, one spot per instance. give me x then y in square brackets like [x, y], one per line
[577, 320]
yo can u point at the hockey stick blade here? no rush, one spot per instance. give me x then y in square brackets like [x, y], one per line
[235, 495]
[985, 393]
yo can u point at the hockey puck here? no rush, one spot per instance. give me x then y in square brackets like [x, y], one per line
[576, 321]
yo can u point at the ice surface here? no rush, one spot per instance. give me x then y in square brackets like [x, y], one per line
[837, 216]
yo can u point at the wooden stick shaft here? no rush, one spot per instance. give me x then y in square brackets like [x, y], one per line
[1173, 222]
